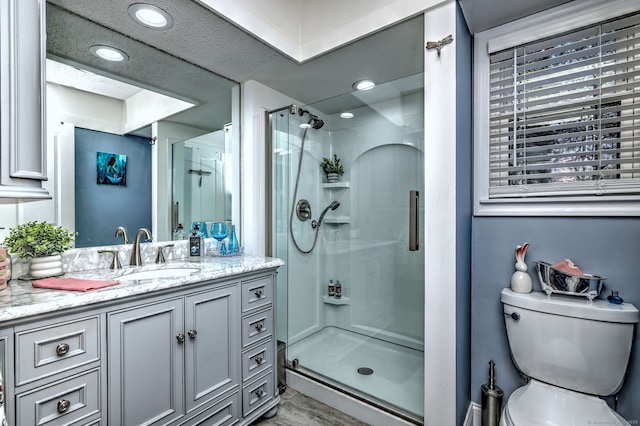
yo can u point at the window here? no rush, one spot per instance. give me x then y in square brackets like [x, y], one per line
[562, 122]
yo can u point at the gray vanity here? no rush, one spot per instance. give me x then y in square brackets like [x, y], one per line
[194, 348]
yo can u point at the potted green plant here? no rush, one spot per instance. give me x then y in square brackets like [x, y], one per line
[43, 243]
[332, 168]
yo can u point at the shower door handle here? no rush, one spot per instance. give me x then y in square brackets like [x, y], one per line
[414, 217]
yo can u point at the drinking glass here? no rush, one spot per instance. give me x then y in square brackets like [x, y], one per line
[220, 231]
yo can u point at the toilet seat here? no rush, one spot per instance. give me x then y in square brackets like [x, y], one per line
[538, 404]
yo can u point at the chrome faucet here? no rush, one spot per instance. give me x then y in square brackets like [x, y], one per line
[136, 258]
[121, 231]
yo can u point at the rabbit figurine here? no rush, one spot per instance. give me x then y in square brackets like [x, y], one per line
[521, 280]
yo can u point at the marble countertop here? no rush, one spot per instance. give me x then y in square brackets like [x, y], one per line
[20, 299]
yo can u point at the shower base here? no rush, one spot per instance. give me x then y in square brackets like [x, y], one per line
[393, 374]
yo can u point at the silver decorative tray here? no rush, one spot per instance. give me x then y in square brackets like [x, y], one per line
[554, 280]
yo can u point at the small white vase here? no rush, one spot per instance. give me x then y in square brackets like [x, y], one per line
[46, 266]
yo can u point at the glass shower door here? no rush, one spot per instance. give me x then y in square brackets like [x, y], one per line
[369, 342]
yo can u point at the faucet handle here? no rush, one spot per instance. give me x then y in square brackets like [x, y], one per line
[115, 263]
[160, 257]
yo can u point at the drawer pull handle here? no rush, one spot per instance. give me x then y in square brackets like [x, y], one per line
[63, 406]
[258, 360]
[192, 333]
[259, 327]
[180, 338]
[62, 349]
[259, 393]
[258, 294]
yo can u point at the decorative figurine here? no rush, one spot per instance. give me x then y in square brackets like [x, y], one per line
[521, 280]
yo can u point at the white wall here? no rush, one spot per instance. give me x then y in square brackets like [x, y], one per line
[257, 99]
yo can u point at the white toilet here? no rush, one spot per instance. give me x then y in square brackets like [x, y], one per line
[573, 351]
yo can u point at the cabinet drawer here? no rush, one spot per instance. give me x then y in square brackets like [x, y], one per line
[223, 413]
[257, 327]
[62, 403]
[257, 293]
[257, 393]
[257, 360]
[45, 351]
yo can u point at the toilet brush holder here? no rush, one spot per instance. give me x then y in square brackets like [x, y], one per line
[491, 400]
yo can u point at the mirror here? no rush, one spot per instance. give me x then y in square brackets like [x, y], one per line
[163, 105]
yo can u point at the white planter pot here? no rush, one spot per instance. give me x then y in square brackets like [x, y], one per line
[47, 266]
[333, 177]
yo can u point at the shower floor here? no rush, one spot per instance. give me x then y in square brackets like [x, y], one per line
[337, 354]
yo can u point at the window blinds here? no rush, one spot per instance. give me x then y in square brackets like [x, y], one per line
[565, 114]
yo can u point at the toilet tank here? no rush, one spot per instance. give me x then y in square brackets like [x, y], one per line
[568, 341]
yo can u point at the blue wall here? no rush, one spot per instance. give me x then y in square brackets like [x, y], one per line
[100, 209]
[464, 149]
[603, 246]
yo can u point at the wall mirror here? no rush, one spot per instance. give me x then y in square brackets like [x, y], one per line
[182, 120]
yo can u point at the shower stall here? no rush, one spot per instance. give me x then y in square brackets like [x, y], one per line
[361, 231]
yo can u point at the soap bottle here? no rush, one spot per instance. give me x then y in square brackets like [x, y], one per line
[179, 233]
[331, 291]
[196, 244]
[338, 290]
[233, 246]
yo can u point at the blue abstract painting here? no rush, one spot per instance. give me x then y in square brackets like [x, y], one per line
[112, 168]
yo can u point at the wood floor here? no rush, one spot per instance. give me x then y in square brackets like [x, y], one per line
[296, 409]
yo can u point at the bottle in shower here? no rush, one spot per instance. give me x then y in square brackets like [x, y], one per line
[338, 290]
[332, 289]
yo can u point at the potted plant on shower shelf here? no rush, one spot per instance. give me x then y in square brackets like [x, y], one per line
[43, 243]
[332, 168]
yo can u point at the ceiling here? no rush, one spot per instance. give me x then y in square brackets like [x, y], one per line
[209, 41]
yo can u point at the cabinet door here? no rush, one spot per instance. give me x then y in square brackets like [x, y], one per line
[22, 117]
[211, 350]
[145, 364]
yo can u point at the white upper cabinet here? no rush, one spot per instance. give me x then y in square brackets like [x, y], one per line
[22, 113]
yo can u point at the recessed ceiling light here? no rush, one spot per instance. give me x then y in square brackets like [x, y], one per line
[364, 85]
[346, 115]
[150, 16]
[109, 53]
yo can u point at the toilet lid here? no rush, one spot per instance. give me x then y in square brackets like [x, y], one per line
[542, 404]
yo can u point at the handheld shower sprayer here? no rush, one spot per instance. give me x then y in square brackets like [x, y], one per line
[334, 205]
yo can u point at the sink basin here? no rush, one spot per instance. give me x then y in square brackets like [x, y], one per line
[159, 273]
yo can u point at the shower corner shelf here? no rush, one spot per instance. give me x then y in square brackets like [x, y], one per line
[335, 185]
[337, 219]
[333, 301]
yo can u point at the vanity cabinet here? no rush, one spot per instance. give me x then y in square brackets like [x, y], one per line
[201, 353]
[22, 105]
[173, 357]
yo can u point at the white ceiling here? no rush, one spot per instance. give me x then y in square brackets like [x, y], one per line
[211, 42]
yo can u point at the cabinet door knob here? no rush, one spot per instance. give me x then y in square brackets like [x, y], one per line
[258, 360]
[180, 338]
[63, 405]
[258, 293]
[259, 326]
[62, 349]
[192, 333]
[259, 393]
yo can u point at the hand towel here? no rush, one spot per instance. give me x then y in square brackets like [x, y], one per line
[74, 284]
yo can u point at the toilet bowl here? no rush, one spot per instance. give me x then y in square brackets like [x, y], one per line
[574, 352]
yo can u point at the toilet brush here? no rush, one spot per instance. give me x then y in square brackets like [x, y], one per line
[491, 400]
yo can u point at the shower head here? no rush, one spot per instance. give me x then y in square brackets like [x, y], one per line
[317, 123]
[334, 205]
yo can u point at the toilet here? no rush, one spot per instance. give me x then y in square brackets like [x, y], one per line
[574, 352]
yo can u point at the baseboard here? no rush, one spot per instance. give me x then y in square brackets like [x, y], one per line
[473, 415]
